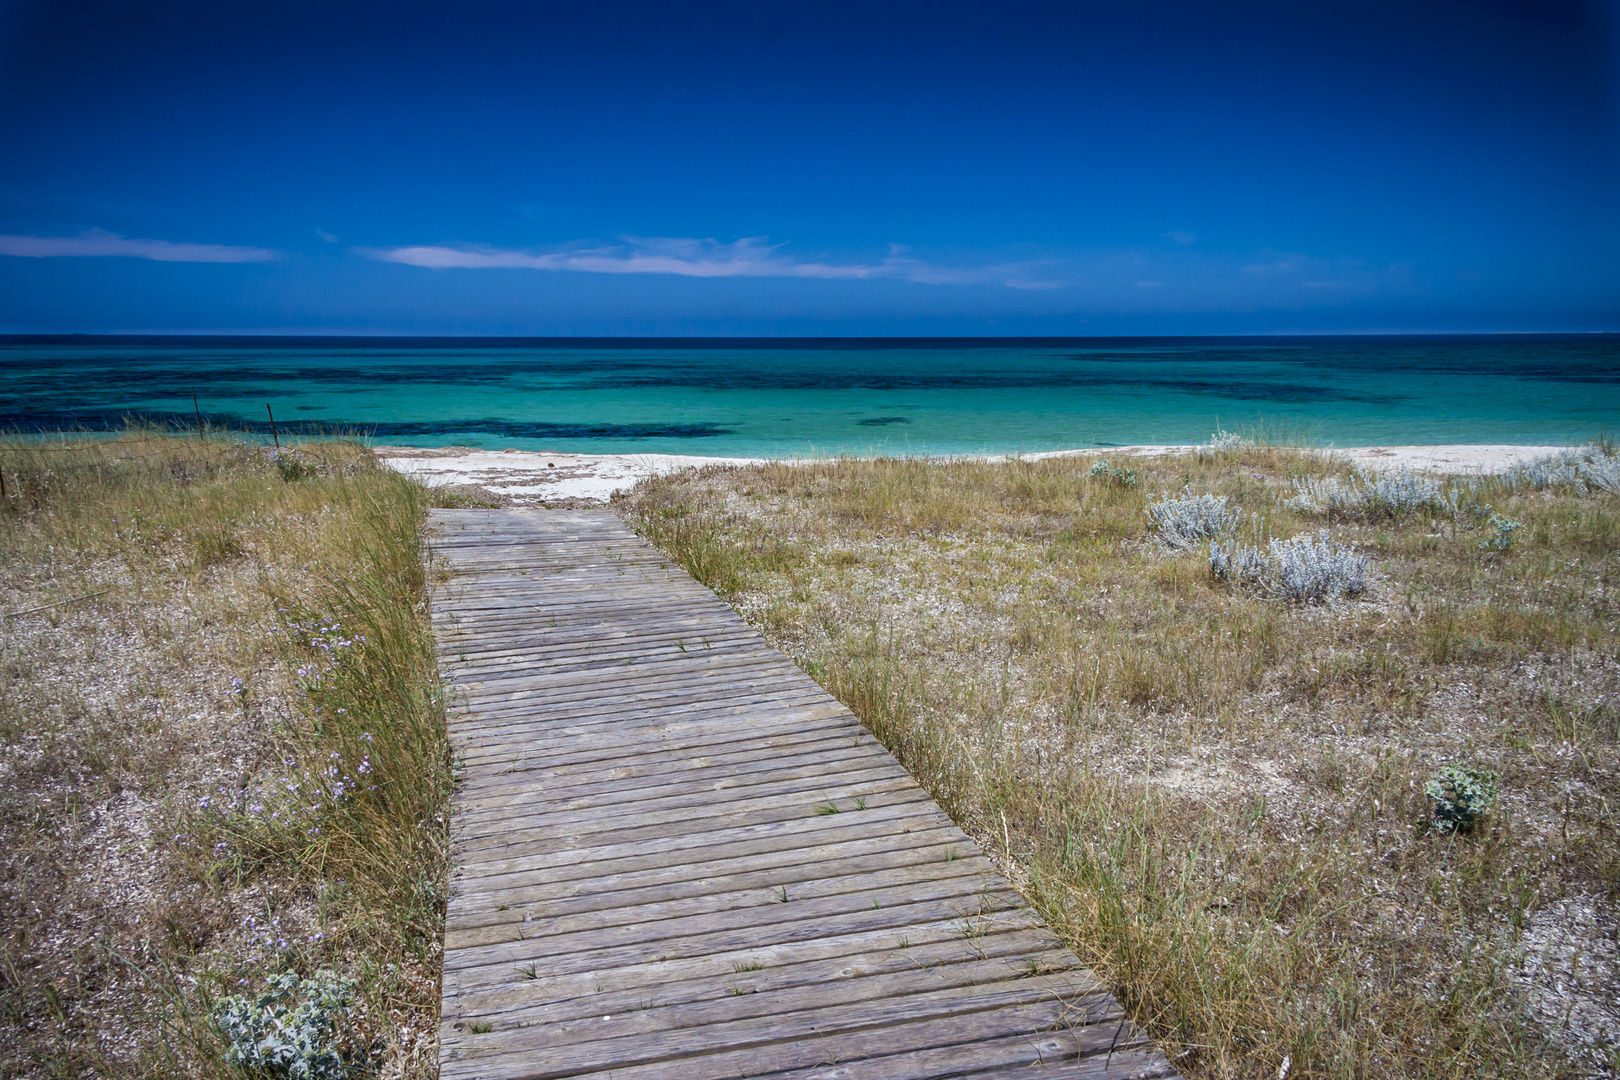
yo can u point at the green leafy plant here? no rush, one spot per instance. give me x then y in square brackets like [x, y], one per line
[1461, 796]
[290, 1030]
[1109, 473]
[292, 465]
[1503, 534]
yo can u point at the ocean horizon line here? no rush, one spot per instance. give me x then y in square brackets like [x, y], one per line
[284, 338]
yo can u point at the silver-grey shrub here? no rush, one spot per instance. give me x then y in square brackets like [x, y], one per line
[1223, 442]
[1182, 524]
[1236, 561]
[1313, 569]
[1368, 496]
[1590, 467]
[290, 1031]
[1305, 569]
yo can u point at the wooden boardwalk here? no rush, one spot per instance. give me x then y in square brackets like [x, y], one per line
[676, 857]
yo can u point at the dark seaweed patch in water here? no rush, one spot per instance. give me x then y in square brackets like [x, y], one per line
[97, 420]
[58, 388]
[881, 421]
[254, 376]
[1236, 390]
[540, 430]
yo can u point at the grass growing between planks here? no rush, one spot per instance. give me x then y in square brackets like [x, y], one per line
[1217, 796]
[223, 750]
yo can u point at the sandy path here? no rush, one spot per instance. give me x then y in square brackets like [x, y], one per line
[529, 477]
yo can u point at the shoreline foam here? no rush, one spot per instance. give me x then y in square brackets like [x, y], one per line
[536, 477]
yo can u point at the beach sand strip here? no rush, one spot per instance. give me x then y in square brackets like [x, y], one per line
[523, 477]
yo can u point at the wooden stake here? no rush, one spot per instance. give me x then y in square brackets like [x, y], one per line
[273, 434]
[198, 410]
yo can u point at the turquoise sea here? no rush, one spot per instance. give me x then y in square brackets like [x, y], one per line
[791, 397]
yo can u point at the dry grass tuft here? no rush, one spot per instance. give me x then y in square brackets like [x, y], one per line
[1216, 796]
[222, 752]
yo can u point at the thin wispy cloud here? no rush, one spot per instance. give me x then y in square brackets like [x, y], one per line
[1126, 279]
[101, 243]
[750, 257]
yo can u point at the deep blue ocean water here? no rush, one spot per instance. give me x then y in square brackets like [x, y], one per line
[785, 397]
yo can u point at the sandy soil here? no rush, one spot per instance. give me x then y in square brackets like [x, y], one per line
[526, 477]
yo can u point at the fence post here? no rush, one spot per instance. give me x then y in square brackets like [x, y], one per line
[273, 434]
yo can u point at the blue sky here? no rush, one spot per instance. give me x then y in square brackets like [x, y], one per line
[815, 168]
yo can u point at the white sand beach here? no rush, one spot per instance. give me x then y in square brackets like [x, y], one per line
[539, 477]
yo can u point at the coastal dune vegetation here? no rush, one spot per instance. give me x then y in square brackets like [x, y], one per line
[1360, 825]
[1317, 767]
[223, 767]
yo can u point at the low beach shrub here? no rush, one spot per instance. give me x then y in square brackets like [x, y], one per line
[1304, 569]
[1368, 496]
[1224, 442]
[1594, 467]
[1181, 524]
[1235, 561]
[1312, 569]
[1461, 796]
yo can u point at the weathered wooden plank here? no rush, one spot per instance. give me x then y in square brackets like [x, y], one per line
[722, 739]
[896, 810]
[635, 714]
[514, 1055]
[678, 857]
[514, 765]
[541, 896]
[608, 909]
[483, 874]
[499, 875]
[664, 637]
[788, 762]
[743, 1000]
[607, 746]
[575, 996]
[1021, 1057]
[967, 896]
[796, 833]
[660, 969]
[479, 835]
[632, 678]
[850, 1054]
